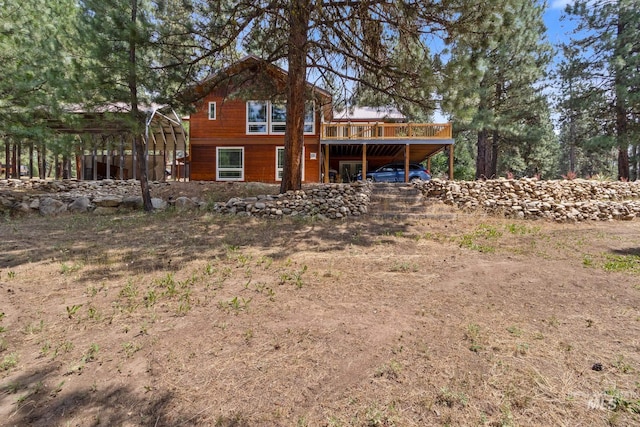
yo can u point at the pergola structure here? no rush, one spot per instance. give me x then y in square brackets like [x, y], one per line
[105, 146]
[409, 142]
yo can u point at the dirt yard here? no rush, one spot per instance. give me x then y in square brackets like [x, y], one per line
[182, 319]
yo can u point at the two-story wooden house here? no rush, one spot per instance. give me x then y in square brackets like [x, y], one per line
[237, 132]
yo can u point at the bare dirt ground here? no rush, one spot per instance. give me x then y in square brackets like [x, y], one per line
[180, 319]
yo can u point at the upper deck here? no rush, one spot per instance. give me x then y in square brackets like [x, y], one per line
[385, 133]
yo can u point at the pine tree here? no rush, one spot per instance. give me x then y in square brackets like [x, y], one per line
[500, 98]
[137, 52]
[35, 61]
[607, 37]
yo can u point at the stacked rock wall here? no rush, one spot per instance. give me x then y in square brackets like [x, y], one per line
[574, 200]
[325, 201]
[55, 197]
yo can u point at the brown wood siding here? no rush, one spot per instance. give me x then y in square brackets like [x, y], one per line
[230, 122]
[203, 161]
[259, 161]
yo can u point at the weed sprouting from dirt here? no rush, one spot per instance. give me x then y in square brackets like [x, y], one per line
[483, 239]
[73, 309]
[622, 263]
[403, 267]
[472, 334]
[9, 361]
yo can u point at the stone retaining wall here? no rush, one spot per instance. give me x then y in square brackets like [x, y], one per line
[55, 197]
[575, 200]
[325, 201]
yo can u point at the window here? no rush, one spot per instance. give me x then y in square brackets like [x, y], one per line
[230, 163]
[212, 111]
[264, 117]
[257, 117]
[280, 163]
[278, 118]
[309, 118]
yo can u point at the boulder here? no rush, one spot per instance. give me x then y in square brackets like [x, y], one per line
[81, 204]
[108, 201]
[49, 206]
[158, 204]
[185, 203]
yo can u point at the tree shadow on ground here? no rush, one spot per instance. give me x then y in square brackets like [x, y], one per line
[119, 246]
[627, 251]
[39, 398]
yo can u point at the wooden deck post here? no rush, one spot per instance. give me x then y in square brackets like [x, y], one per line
[108, 162]
[406, 163]
[94, 160]
[122, 157]
[451, 162]
[326, 164]
[134, 158]
[364, 162]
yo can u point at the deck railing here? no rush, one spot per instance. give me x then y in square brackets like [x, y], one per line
[382, 131]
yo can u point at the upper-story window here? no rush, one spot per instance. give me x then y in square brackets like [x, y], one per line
[212, 111]
[257, 119]
[309, 118]
[278, 118]
[265, 117]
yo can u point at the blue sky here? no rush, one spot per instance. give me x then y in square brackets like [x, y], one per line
[557, 30]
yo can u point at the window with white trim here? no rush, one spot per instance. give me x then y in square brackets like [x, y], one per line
[280, 163]
[265, 117]
[309, 118]
[257, 118]
[278, 118]
[212, 111]
[230, 163]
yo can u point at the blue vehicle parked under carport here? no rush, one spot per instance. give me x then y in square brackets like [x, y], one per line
[394, 172]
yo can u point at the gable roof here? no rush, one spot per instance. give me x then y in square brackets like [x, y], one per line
[255, 66]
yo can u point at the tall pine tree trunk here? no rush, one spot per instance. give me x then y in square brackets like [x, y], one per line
[483, 160]
[495, 139]
[622, 125]
[296, 85]
[135, 112]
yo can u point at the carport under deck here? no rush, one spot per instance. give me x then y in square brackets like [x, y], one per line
[409, 142]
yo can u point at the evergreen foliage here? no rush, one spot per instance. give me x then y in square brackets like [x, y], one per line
[600, 81]
[501, 99]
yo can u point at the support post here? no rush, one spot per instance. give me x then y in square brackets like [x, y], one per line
[108, 159]
[326, 163]
[154, 175]
[364, 162]
[451, 162]
[134, 158]
[121, 157]
[406, 163]
[94, 160]
[18, 162]
[164, 155]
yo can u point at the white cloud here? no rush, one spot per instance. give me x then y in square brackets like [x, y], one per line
[560, 4]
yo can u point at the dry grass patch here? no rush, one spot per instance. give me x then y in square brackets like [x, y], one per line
[197, 319]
